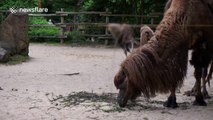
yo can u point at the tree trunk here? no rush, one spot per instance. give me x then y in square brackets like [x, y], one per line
[40, 3]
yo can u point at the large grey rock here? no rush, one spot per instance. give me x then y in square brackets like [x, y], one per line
[4, 55]
[14, 34]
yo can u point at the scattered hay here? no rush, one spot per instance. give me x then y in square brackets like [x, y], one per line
[106, 102]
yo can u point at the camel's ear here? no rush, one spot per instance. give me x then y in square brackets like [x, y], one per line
[142, 28]
[147, 34]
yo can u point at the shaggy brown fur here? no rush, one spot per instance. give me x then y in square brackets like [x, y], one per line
[161, 64]
[145, 34]
[168, 4]
[209, 3]
[123, 34]
[197, 53]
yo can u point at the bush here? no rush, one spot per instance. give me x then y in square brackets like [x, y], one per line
[1, 17]
[6, 4]
[41, 31]
[16, 59]
[75, 36]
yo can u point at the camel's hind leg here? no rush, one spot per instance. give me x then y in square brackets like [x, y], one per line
[132, 46]
[191, 92]
[194, 89]
[127, 48]
[199, 100]
[204, 74]
[125, 51]
[210, 74]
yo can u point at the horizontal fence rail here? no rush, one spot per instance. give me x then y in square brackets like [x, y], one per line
[75, 24]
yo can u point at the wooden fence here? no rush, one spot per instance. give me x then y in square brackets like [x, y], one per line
[106, 36]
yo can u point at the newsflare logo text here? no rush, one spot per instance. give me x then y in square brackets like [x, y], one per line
[28, 10]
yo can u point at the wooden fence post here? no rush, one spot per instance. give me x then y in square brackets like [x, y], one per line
[106, 31]
[142, 11]
[62, 28]
[104, 24]
[152, 19]
[40, 3]
[74, 21]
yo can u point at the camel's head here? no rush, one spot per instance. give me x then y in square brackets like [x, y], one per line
[127, 88]
[120, 82]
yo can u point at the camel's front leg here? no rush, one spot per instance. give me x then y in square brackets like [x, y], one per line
[191, 92]
[204, 75]
[171, 102]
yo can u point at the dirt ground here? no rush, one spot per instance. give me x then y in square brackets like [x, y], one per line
[76, 83]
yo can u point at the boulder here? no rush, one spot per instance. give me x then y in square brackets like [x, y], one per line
[4, 55]
[14, 34]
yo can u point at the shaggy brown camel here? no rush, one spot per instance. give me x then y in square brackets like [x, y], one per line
[200, 56]
[123, 34]
[161, 64]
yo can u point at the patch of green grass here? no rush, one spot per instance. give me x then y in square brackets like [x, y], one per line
[17, 59]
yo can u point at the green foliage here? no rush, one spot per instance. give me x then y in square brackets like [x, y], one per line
[42, 31]
[56, 5]
[17, 59]
[134, 7]
[75, 36]
[39, 31]
[38, 20]
[6, 4]
[1, 17]
[88, 4]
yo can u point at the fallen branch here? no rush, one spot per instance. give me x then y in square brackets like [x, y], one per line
[71, 74]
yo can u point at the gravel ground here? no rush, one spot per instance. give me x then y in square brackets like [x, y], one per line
[76, 83]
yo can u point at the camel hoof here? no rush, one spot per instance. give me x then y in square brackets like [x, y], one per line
[206, 95]
[171, 102]
[199, 101]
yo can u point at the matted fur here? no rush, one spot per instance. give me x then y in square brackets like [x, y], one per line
[161, 64]
[147, 72]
